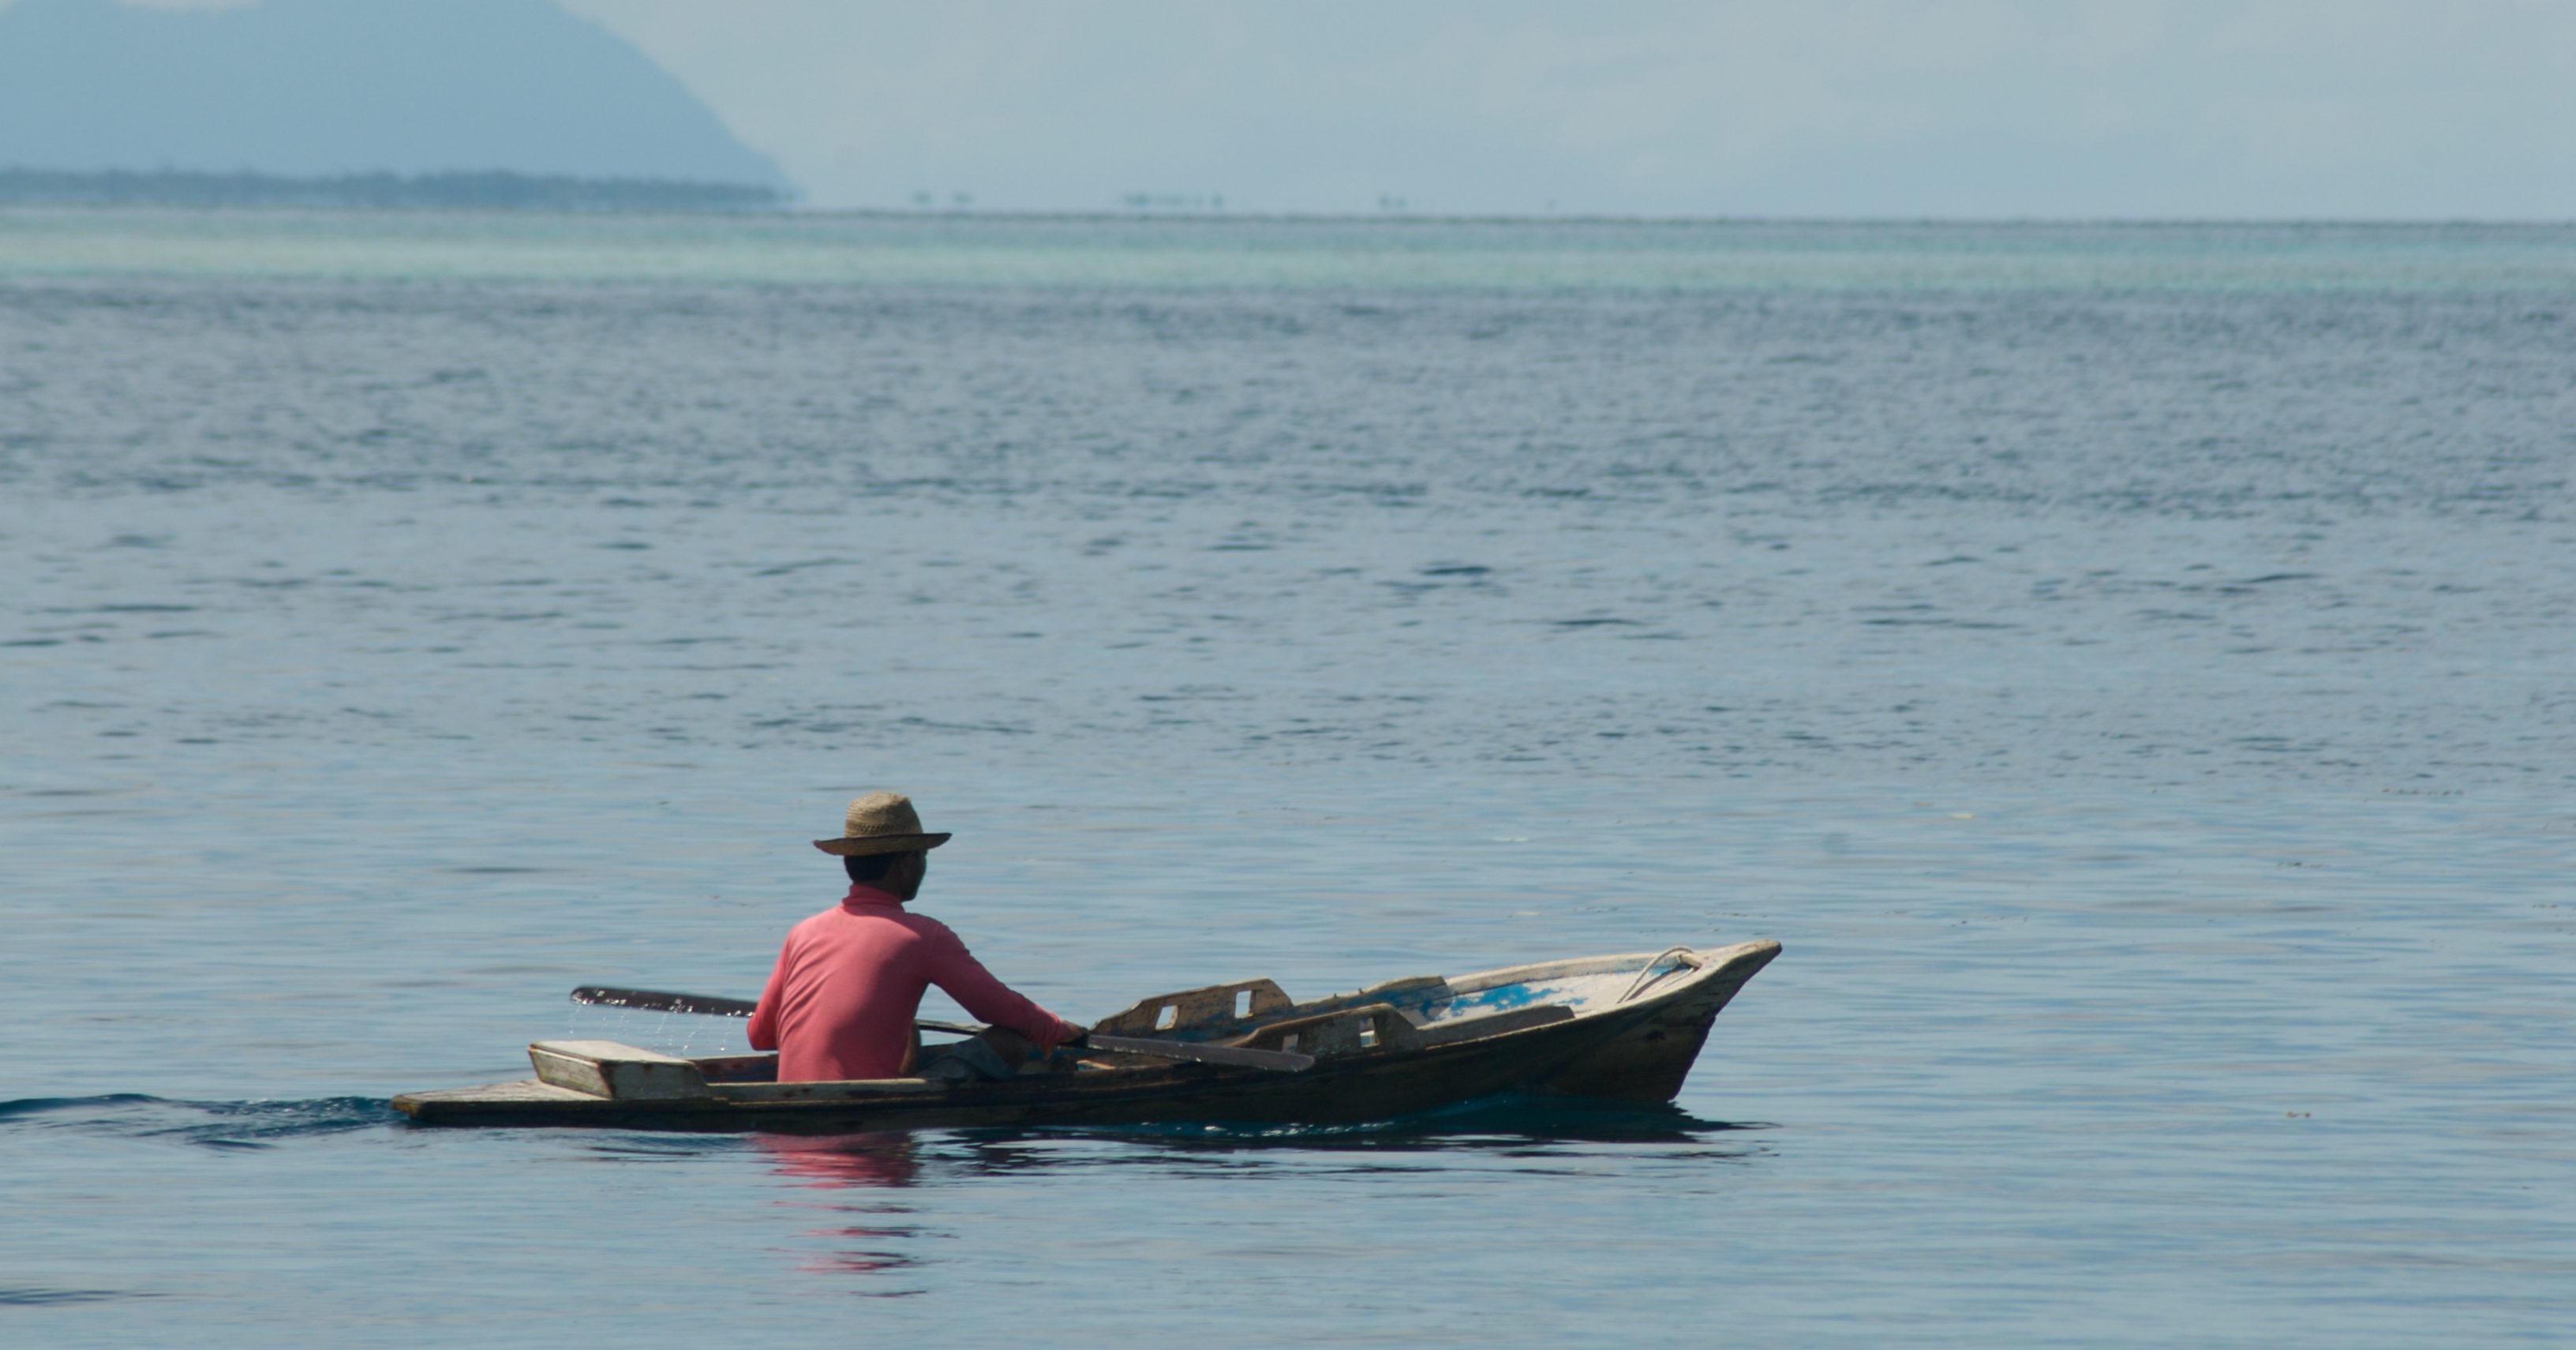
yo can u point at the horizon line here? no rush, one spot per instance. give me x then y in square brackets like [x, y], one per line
[1288, 217]
[760, 200]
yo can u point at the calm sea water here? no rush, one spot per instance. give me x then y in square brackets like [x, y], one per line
[2132, 669]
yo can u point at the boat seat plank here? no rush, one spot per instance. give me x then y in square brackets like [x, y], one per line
[617, 1072]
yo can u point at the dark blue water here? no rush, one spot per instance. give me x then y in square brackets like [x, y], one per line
[2143, 701]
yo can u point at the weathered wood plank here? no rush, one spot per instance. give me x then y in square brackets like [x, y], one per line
[1350, 1031]
[620, 1072]
[1214, 1007]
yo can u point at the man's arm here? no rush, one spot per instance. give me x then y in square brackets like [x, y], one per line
[763, 1031]
[955, 970]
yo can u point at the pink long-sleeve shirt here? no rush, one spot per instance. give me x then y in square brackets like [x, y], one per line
[849, 981]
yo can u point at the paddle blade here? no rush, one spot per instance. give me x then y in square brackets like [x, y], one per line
[655, 1000]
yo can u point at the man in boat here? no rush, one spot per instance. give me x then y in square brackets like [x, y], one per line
[841, 1001]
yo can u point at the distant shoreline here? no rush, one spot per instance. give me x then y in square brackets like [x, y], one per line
[504, 191]
[484, 191]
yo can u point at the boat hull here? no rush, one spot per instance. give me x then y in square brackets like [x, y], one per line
[1638, 1049]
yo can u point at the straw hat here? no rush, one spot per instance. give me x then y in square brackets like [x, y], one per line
[880, 822]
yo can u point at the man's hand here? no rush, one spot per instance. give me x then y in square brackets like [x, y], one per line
[1081, 1037]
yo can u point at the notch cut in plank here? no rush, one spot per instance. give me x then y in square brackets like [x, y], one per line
[1214, 1007]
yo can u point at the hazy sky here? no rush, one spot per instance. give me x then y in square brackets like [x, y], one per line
[2262, 108]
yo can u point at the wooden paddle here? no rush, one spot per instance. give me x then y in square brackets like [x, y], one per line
[654, 1000]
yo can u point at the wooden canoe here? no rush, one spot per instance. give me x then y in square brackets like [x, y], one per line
[1622, 1027]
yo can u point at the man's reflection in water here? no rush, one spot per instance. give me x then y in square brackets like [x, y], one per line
[879, 1158]
[863, 1162]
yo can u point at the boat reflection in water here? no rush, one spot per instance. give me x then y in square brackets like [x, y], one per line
[868, 1192]
[1516, 1123]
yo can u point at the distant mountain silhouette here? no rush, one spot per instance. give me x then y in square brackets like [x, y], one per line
[335, 87]
[487, 190]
